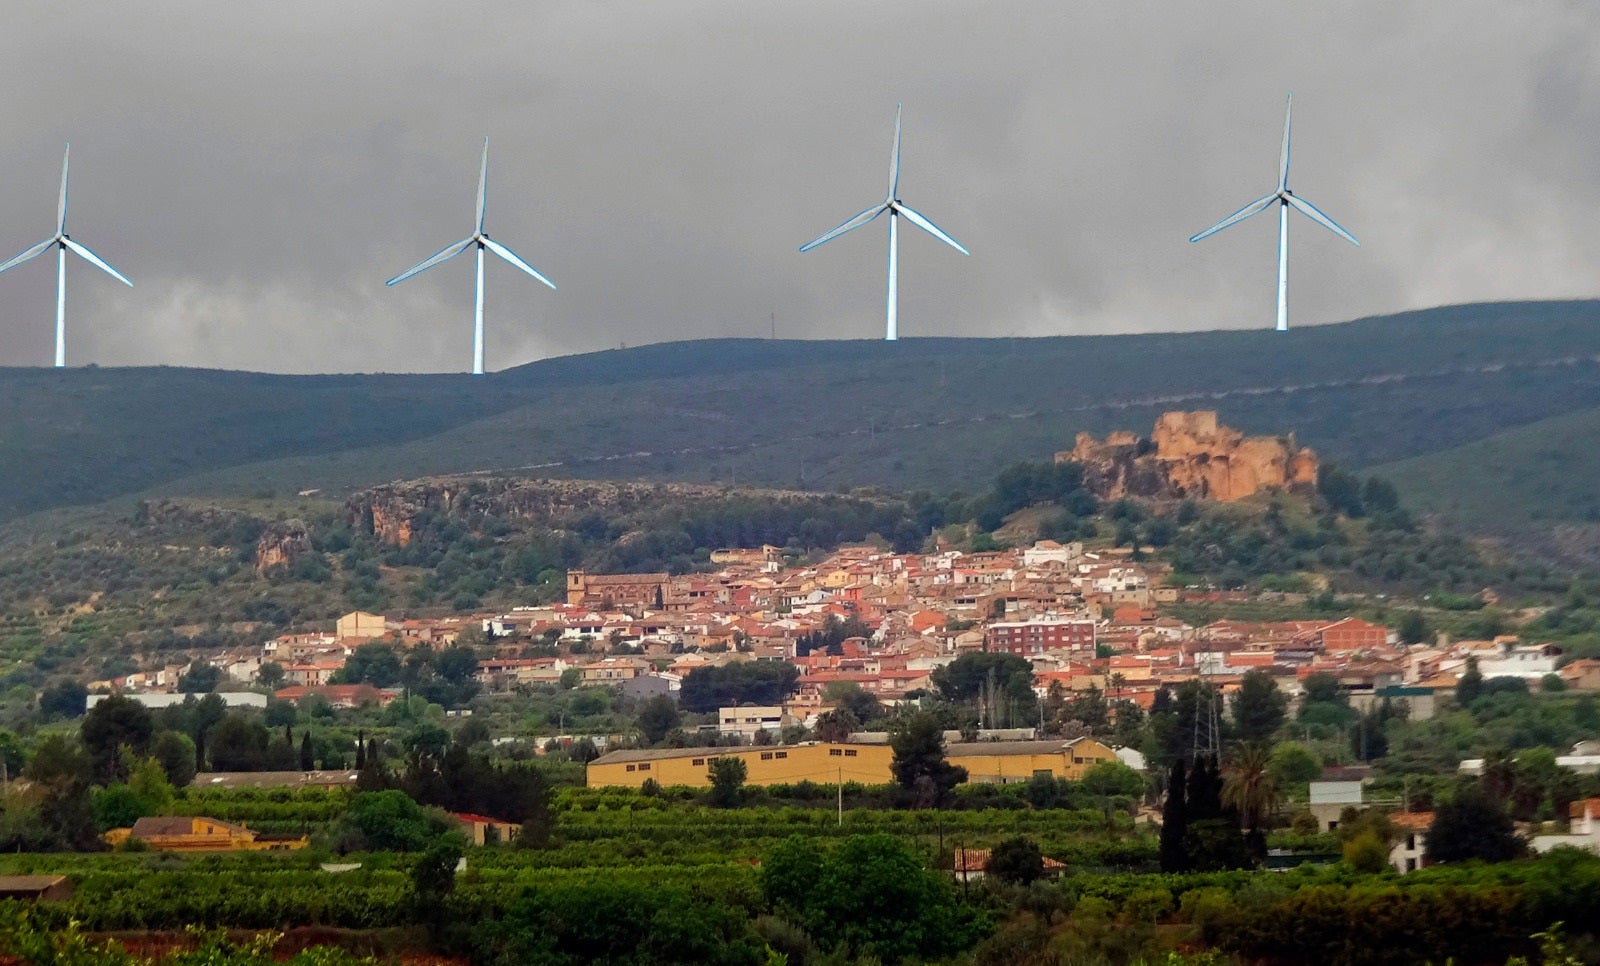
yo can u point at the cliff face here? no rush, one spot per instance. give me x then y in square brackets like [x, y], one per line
[281, 544]
[1191, 455]
[393, 513]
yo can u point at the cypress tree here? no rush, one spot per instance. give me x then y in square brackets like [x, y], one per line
[1212, 840]
[306, 761]
[1469, 687]
[361, 750]
[1205, 790]
[1175, 820]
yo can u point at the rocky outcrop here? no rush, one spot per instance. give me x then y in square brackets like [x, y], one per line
[1191, 455]
[396, 512]
[281, 544]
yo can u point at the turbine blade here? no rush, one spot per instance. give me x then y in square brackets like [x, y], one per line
[432, 260]
[483, 183]
[850, 225]
[33, 252]
[1310, 211]
[1283, 165]
[1253, 208]
[61, 208]
[512, 257]
[96, 261]
[894, 156]
[929, 227]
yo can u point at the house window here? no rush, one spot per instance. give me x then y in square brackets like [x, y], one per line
[1411, 842]
[630, 767]
[644, 767]
[698, 761]
[783, 754]
[766, 756]
[849, 752]
[835, 752]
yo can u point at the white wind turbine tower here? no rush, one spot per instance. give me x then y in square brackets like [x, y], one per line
[1286, 199]
[479, 240]
[62, 242]
[896, 209]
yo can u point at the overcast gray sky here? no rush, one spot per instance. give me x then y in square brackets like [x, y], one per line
[260, 169]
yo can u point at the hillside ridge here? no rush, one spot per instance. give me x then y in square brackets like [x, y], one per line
[922, 413]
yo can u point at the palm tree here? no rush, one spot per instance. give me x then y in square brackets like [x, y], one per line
[1118, 682]
[1250, 790]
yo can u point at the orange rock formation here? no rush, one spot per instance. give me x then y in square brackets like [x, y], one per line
[1191, 455]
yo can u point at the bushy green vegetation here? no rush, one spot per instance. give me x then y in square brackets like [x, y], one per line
[813, 872]
[847, 892]
[1236, 546]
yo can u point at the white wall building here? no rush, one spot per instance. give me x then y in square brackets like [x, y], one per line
[748, 721]
[1584, 833]
[1528, 661]
[1406, 853]
[1048, 551]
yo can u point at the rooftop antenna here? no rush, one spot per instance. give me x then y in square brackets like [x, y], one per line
[896, 209]
[1286, 199]
[479, 240]
[62, 242]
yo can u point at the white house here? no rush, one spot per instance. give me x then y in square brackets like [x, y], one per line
[1049, 551]
[1527, 661]
[1329, 799]
[1584, 829]
[1406, 854]
[748, 721]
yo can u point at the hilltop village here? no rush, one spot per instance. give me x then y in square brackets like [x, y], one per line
[1085, 617]
[883, 622]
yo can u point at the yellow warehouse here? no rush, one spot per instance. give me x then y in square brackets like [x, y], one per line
[826, 763]
[1006, 762]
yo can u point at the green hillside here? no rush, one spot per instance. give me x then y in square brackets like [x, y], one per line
[1535, 484]
[931, 413]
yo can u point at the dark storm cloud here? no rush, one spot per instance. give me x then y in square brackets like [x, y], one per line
[259, 170]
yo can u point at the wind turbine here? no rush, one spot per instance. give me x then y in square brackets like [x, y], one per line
[62, 242]
[478, 240]
[1286, 199]
[896, 209]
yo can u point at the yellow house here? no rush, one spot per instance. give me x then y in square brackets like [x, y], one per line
[819, 762]
[359, 623]
[195, 833]
[1005, 762]
[825, 763]
[835, 580]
